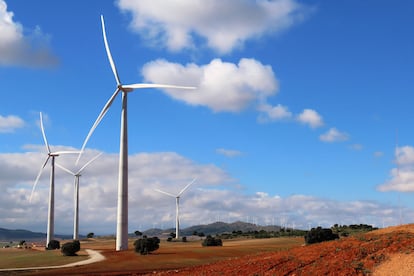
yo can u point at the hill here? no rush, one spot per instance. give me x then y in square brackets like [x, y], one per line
[213, 229]
[20, 234]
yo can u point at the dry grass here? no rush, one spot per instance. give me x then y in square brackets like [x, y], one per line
[18, 258]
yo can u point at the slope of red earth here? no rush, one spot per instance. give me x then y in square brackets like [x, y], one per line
[358, 255]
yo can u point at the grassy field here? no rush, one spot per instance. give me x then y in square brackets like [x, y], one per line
[170, 255]
[18, 258]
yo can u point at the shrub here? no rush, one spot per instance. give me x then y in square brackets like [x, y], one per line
[211, 241]
[53, 244]
[146, 245]
[184, 239]
[70, 248]
[319, 234]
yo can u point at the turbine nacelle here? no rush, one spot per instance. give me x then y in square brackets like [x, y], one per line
[125, 89]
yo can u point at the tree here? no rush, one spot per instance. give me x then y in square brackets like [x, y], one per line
[211, 241]
[138, 233]
[70, 248]
[53, 244]
[90, 235]
[319, 234]
[146, 245]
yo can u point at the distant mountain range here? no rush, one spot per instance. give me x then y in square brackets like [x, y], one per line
[207, 229]
[214, 229]
[20, 234]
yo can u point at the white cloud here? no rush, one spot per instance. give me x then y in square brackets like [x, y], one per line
[228, 152]
[401, 177]
[311, 118]
[10, 123]
[404, 155]
[211, 197]
[223, 25]
[334, 135]
[18, 49]
[271, 113]
[221, 86]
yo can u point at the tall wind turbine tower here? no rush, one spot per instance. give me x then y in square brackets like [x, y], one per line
[77, 175]
[51, 211]
[177, 206]
[122, 213]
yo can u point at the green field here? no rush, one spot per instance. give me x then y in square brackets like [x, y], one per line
[19, 258]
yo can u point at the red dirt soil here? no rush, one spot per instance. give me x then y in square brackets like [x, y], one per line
[358, 255]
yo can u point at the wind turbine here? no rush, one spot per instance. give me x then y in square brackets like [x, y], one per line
[177, 206]
[122, 214]
[50, 156]
[77, 175]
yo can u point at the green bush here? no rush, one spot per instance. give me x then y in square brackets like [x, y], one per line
[146, 245]
[53, 244]
[70, 248]
[320, 234]
[211, 241]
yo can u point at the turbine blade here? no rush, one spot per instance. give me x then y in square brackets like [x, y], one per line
[38, 177]
[43, 133]
[65, 152]
[108, 52]
[165, 193]
[87, 164]
[153, 85]
[188, 185]
[98, 120]
[65, 169]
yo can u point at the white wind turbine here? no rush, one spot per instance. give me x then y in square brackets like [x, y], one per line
[122, 215]
[177, 206]
[77, 175]
[50, 155]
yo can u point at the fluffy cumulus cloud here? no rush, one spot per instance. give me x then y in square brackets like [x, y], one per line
[401, 177]
[222, 25]
[221, 86]
[16, 48]
[334, 135]
[10, 123]
[212, 197]
[310, 117]
[269, 113]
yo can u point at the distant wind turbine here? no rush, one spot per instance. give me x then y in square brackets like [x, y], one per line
[177, 206]
[77, 175]
[50, 155]
[122, 215]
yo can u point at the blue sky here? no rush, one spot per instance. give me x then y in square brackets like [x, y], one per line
[301, 114]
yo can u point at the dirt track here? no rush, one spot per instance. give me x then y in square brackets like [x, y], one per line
[383, 252]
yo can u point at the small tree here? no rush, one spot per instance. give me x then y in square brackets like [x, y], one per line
[70, 248]
[22, 244]
[319, 234]
[211, 241]
[90, 235]
[53, 244]
[138, 233]
[146, 245]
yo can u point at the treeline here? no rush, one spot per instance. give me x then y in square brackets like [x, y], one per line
[262, 234]
[346, 230]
